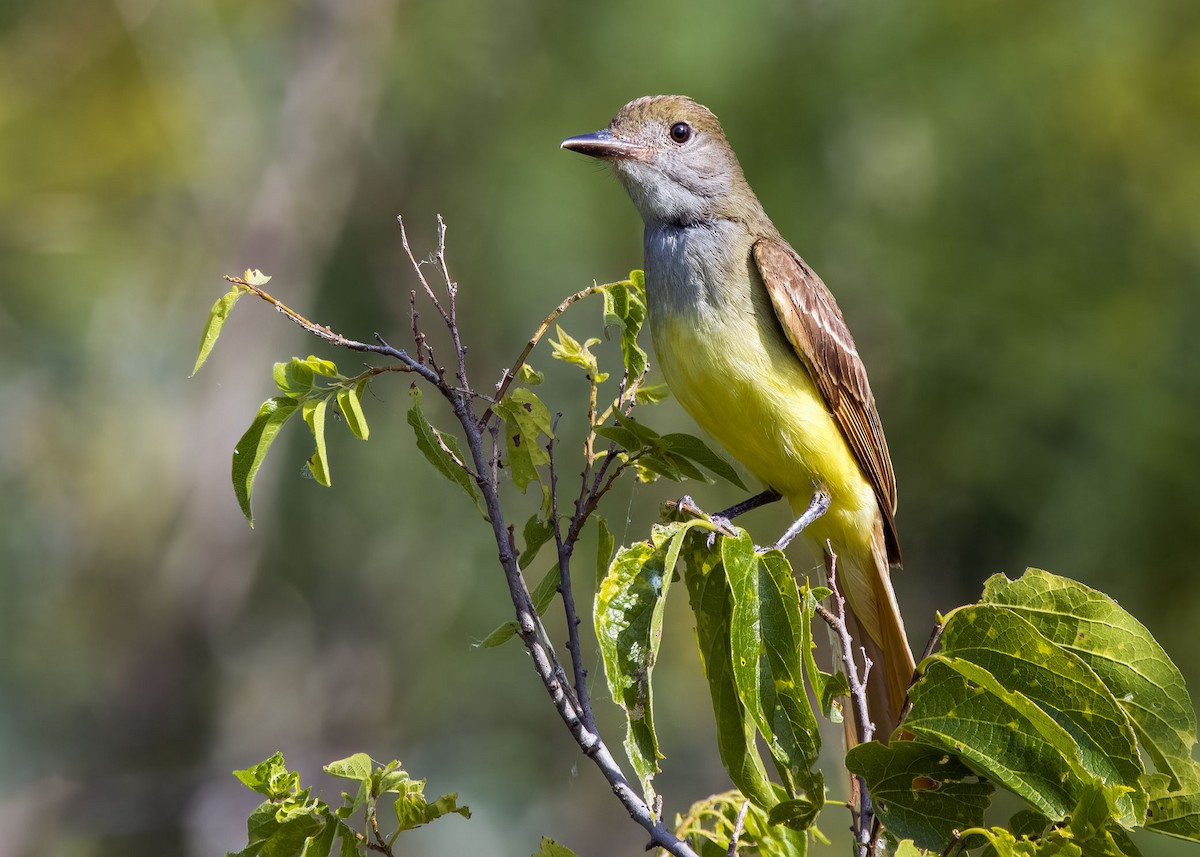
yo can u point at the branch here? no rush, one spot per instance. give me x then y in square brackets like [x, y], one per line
[864, 729]
[511, 372]
[546, 664]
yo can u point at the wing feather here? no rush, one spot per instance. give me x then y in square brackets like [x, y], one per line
[815, 327]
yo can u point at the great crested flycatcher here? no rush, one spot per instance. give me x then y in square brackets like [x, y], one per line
[754, 347]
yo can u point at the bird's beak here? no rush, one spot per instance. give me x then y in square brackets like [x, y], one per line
[602, 144]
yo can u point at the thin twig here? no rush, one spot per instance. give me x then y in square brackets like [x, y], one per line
[416, 266]
[565, 549]
[452, 292]
[738, 824]
[863, 727]
[935, 637]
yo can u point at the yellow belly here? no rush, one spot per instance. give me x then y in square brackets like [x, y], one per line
[743, 383]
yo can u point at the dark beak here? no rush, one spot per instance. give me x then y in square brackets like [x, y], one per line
[602, 144]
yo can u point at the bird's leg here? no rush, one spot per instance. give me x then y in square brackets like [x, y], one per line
[818, 507]
[766, 497]
[724, 518]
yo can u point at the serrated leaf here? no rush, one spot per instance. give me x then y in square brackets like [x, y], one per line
[542, 595]
[349, 401]
[961, 709]
[442, 451]
[1175, 805]
[252, 448]
[628, 615]
[217, 316]
[1118, 648]
[712, 606]
[1025, 662]
[921, 792]
[765, 638]
[314, 411]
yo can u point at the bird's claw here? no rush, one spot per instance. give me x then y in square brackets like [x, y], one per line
[723, 526]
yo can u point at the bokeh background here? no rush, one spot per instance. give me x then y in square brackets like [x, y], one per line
[1005, 198]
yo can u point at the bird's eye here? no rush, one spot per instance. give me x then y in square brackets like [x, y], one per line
[681, 132]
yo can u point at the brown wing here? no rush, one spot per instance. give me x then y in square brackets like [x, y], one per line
[815, 327]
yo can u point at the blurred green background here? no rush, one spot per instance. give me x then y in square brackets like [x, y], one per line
[1005, 198]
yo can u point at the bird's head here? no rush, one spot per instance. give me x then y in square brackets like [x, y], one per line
[674, 161]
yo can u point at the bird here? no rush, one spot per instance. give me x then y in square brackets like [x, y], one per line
[753, 345]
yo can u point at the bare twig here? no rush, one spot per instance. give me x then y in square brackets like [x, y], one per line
[738, 824]
[935, 637]
[863, 727]
[565, 548]
[511, 372]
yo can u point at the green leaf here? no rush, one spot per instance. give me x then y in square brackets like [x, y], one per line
[270, 777]
[765, 636]
[314, 415]
[625, 307]
[827, 688]
[349, 401]
[550, 848]
[529, 376]
[796, 813]
[650, 394]
[921, 792]
[297, 378]
[542, 595]
[694, 449]
[1119, 649]
[252, 448]
[1175, 805]
[537, 532]
[442, 451]
[357, 767]
[709, 823]
[712, 606]
[526, 419]
[570, 350]
[212, 327]
[268, 833]
[605, 545]
[1025, 663]
[255, 277]
[961, 709]
[628, 615]
[413, 811]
